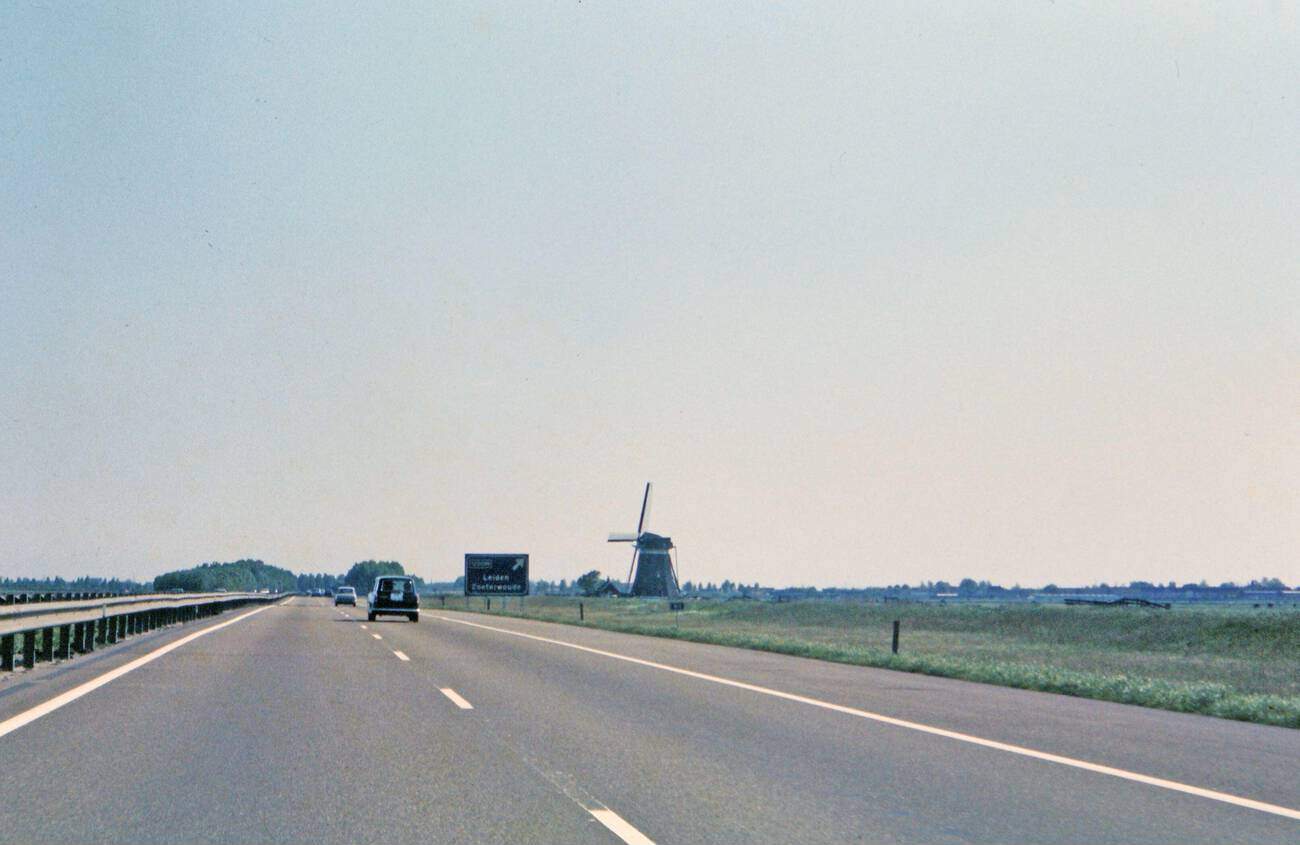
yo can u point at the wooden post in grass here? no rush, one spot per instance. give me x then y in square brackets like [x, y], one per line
[895, 644]
[580, 613]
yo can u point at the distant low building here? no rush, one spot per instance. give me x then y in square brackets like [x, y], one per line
[608, 589]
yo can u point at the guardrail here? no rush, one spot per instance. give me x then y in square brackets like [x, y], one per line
[83, 631]
[32, 597]
[113, 600]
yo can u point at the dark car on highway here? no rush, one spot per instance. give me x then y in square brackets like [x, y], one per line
[394, 595]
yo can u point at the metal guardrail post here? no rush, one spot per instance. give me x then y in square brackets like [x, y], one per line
[47, 645]
[65, 642]
[29, 649]
[7, 653]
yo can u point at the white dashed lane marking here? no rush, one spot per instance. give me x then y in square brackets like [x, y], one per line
[619, 827]
[456, 699]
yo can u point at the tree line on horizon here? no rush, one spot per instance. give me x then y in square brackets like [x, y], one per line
[251, 575]
[84, 584]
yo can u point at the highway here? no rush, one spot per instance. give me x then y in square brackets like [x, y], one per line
[300, 722]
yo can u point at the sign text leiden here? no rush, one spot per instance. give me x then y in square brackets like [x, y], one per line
[496, 575]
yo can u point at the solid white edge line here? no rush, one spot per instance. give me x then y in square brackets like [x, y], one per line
[13, 723]
[456, 699]
[619, 827]
[401, 655]
[1175, 786]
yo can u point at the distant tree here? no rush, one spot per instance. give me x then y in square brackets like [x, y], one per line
[362, 575]
[968, 587]
[237, 576]
[588, 583]
[1266, 584]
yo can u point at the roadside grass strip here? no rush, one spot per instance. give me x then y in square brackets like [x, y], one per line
[1231, 663]
[1174, 786]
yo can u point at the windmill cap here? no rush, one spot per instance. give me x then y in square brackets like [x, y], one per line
[654, 541]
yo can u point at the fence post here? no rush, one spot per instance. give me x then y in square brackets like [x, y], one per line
[580, 612]
[47, 645]
[489, 602]
[895, 644]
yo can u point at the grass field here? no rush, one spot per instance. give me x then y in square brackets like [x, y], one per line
[1234, 662]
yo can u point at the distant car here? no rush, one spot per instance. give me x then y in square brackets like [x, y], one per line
[345, 595]
[394, 595]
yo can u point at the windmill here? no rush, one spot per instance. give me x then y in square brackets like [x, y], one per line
[655, 575]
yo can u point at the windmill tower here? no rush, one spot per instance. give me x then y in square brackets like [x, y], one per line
[651, 561]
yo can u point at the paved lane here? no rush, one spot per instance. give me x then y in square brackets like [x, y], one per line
[290, 726]
[306, 723]
[694, 761]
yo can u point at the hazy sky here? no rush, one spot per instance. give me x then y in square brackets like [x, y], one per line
[872, 292]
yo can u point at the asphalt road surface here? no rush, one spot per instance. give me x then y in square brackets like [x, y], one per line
[300, 722]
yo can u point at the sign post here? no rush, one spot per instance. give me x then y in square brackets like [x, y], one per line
[496, 574]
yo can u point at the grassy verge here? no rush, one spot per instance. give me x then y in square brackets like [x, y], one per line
[1231, 662]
